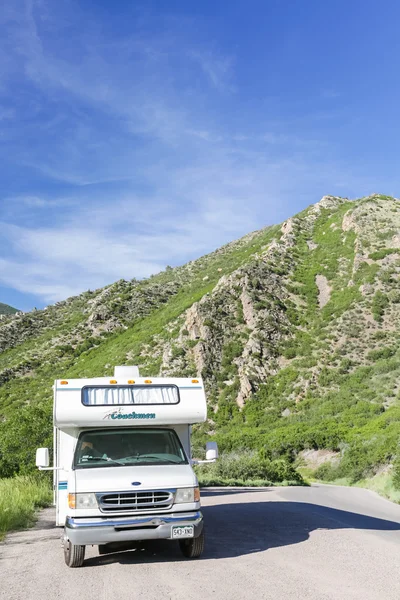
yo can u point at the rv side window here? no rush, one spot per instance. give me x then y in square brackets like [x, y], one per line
[149, 394]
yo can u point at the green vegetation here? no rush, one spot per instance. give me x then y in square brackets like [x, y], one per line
[284, 371]
[24, 431]
[5, 309]
[248, 469]
[331, 245]
[20, 497]
[380, 254]
[379, 302]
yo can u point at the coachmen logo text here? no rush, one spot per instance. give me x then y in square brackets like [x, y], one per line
[118, 414]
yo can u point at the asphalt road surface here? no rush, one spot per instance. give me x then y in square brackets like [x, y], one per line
[319, 543]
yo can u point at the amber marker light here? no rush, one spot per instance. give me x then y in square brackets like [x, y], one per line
[64, 382]
[195, 381]
[113, 381]
[71, 500]
[147, 380]
[131, 381]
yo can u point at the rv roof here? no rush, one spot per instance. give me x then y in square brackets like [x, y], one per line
[80, 383]
[104, 401]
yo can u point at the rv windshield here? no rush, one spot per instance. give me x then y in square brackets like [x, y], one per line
[136, 446]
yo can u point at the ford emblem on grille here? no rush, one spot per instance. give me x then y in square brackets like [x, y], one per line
[136, 482]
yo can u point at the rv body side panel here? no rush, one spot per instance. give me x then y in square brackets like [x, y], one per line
[66, 441]
[56, 444]
[183, 432]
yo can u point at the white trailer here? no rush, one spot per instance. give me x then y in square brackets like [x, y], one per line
[122, 461]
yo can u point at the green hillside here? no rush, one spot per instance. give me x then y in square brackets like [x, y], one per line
[5, 309]
[295, 329]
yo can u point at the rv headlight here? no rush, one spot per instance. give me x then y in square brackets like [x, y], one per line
[187, 495]
[82, 501]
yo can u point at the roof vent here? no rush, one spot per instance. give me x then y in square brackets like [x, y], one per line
[126, 372]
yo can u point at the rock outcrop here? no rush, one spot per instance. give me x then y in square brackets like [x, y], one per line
[238, 317]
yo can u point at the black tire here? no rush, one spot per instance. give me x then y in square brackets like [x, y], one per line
[74, 555]
[192, 547]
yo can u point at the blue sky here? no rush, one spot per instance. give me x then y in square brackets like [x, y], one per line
[135, 135]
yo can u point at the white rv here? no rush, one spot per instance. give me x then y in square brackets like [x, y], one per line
[122, 461]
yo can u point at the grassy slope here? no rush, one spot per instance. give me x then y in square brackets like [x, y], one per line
[20, 497]
[337, 385]
[5, 309]
[26, 401]
[342, 395]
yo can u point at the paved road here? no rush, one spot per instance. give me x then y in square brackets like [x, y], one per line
[318, 543]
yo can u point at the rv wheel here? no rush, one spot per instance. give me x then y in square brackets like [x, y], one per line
[74, 555]
[192, 547]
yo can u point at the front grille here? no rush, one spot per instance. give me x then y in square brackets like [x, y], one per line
[135, 501]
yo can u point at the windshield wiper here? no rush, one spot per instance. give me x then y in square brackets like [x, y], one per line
[118, 462]
[138, 457]
[161, 458]
[89, 458]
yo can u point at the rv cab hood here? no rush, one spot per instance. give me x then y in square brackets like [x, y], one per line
[146, 477]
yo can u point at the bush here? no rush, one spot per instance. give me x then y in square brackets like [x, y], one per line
[192, 343]
[20, 435]
[379, 302]
[231, 351]
[177, 351]
[396, 474]
[247, 467]
[328, 377]
[289, 352]
[327, 472]
[385, 352]
[379, 254]
[394, 296]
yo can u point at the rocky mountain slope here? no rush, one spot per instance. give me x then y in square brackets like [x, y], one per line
[295, 329]
[5, 309]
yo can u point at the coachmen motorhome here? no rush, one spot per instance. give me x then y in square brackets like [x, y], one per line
[122, 462]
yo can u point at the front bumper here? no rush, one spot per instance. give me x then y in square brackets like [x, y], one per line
[89, 530]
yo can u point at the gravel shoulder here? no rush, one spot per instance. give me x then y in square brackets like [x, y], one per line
[317, 543]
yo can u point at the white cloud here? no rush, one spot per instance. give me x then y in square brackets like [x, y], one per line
[86, 252]
[207, 136]
[218, 69]
[139, 171]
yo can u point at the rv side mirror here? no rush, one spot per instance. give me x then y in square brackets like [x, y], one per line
[211, 451]
[42, 457]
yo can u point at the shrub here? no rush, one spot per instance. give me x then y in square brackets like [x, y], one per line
[249, 466]
[177, 351]
[289, 352]
[327, 472]
[396, 473]
[345, 366]
[385, 352]
[20, 435]
[231, 351]
[394, 296]
[379, 302]
[328, 377]
[192, 343]
[379, 254]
